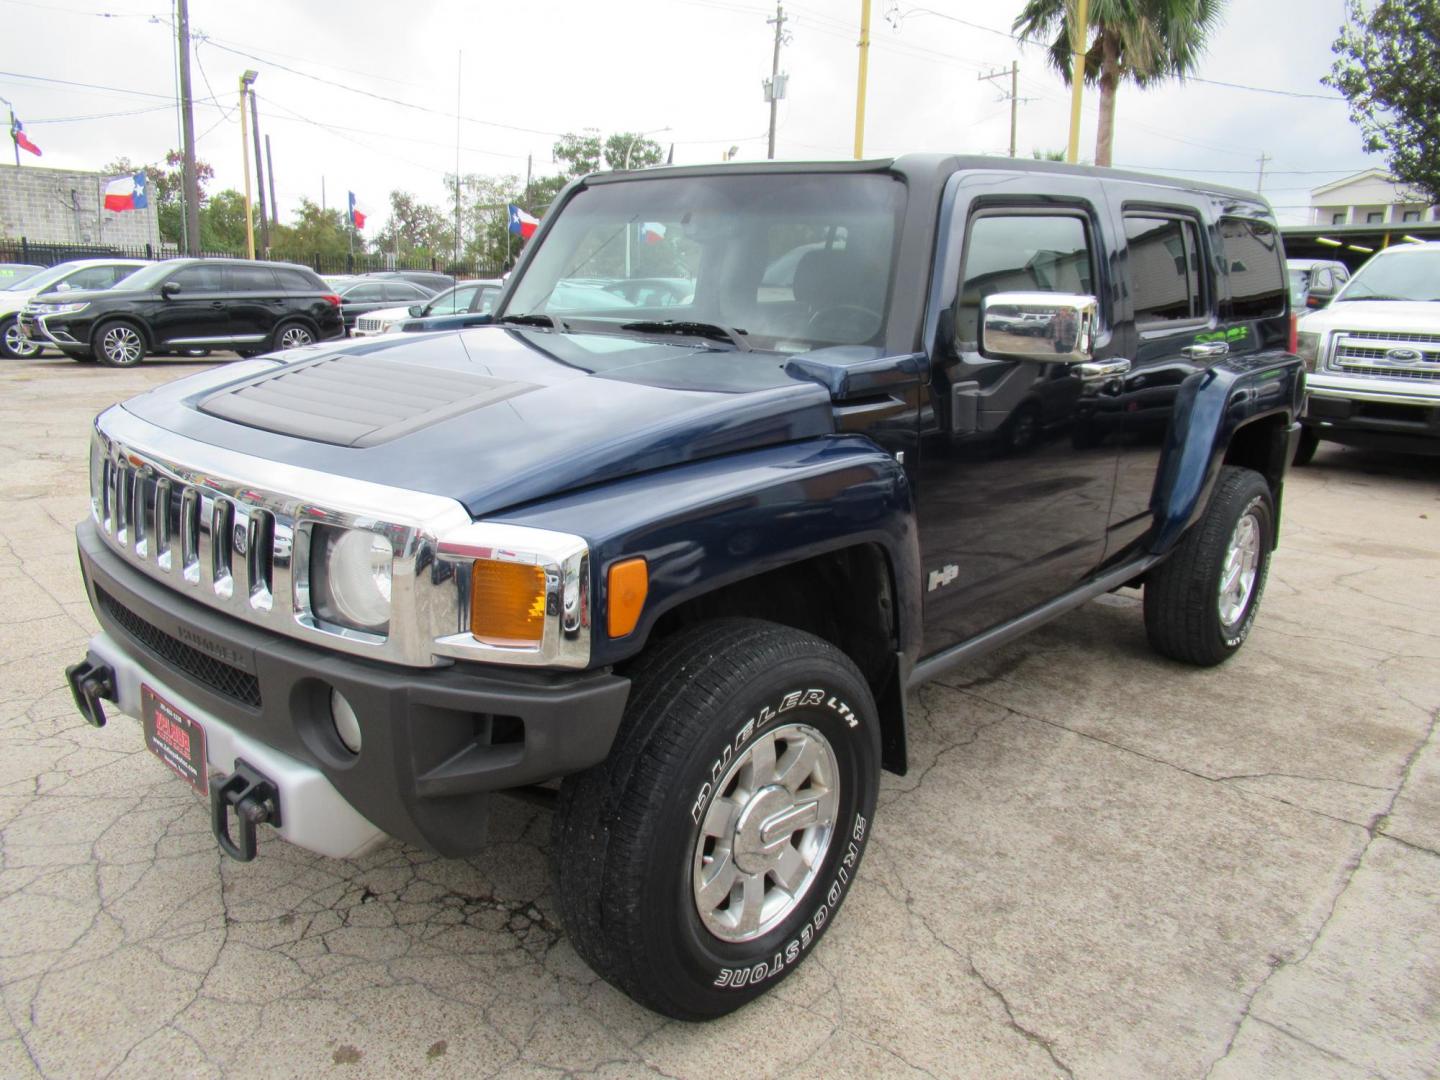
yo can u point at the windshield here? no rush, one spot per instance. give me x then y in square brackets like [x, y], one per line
[1406, 275]
[147, 277]
[48, 277]
[793, 261]
[20, 279]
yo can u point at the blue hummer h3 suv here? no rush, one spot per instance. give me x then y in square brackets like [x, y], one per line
[674, 568]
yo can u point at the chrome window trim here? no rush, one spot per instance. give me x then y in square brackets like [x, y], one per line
[433, 537]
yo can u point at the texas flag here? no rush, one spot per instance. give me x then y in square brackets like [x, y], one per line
[357, 216]
[652, 232]
[521, 223]
[126, 193]
[17, 132]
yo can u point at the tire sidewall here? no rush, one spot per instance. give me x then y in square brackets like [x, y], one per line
[1234, 635]
[276, 342]
[699, 972]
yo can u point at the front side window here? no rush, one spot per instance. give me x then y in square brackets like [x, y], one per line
[1165, 268]
[1257, 268]
[1021, 253]
[365, 294]
[92, 277]
[451, 302]
[200, 279]
[719, 250]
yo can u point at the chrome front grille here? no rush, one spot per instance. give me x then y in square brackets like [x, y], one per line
[242, 546]
[234, 553]
[1385, 355]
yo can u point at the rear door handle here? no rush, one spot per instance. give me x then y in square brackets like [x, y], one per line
[1209, 351]
[1103, 369]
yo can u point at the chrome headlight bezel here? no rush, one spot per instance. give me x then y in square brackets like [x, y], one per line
[334, 605]
[61, 309]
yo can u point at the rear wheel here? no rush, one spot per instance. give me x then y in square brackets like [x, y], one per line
[1305, 448]
[292, 335]
[118, 344]
[699, 864]
[14, 345]
[1200, 603]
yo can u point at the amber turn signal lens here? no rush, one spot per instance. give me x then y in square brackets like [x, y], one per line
[507, 602]
[629, 584]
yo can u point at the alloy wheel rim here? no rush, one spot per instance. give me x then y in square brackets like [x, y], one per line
[122, 345]
[294, 337]
[18, 343]
[765, 833]
[1240, 569]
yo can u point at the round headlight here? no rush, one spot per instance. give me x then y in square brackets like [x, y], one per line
[357, 578]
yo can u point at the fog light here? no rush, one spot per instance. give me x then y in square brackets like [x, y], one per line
[347, 724]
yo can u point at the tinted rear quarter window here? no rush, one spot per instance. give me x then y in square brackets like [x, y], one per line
[292, 280]
[1256, 262]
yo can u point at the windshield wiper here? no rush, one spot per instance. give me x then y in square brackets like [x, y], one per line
[547, 321]
[734, 335]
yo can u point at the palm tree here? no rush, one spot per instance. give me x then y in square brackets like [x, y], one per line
[1146, 41]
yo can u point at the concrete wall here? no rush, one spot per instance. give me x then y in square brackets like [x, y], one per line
[59, 206]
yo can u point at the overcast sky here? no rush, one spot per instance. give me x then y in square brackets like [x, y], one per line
[687, 71]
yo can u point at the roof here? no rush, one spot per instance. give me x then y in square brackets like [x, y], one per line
[1368, 174]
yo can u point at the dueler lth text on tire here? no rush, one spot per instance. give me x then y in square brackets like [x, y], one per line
[702, 862]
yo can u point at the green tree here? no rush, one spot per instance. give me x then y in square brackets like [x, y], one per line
[167, 189]
[1387, 64]
[580, 154]
[415, 228]
[1145, 41]
[632, 150]
[222, 221]
[315, 232]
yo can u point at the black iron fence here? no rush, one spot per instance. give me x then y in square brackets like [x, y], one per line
[24, 250]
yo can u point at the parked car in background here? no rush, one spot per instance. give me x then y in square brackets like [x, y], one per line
[81, 275]
[1373, 357]
[181, 305]
[1314, 282]
[14, 273]
[430, 279]
[367, 294]
[473, 297]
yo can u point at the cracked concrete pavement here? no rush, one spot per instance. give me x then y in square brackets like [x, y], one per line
[1101, 864]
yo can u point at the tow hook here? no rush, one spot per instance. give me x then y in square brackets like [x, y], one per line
[89, 683]
[256, 800]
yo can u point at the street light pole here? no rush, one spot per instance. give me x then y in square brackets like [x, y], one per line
[861, 80]
[259, 173]
[245, 81]
[1079, 39]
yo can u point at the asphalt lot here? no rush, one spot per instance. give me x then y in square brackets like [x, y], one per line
[1102, 864]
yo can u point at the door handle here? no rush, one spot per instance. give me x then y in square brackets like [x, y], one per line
[1211, 350]
[217, 303]
[1103, 369]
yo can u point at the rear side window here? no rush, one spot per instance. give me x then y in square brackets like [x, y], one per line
[1257, 268]
[252, 279]
[298, 281]
[1166, 273]
[1022, 253]
[404, 291]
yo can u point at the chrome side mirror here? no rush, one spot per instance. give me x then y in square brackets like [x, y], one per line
[1044, 328]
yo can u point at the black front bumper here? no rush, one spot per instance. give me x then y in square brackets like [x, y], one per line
[1407, 428]
[435, 741]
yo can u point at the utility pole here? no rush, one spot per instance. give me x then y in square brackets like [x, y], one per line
[860, 82]
[190, 179]
[1260, 180]
[775, 87]
[270, 168]
[459, 57]
[245, 81]
[1079, 38]
[259, 173]
[1013, 96]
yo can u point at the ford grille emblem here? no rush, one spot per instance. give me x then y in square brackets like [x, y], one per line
[1402, 356]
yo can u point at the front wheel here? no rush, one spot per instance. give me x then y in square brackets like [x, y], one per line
[701, 862]
[14, 345]
[119, 344]
[1200, 603]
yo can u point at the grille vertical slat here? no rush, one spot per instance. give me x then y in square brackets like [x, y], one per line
[143, 525]
[259, 559]
[190, 534]
[164, 524]
[222, 552]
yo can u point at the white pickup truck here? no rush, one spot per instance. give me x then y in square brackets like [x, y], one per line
[1372, 357]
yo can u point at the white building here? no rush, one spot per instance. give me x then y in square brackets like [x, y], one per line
[1369, 198]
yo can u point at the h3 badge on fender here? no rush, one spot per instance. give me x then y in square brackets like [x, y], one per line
[942, 577]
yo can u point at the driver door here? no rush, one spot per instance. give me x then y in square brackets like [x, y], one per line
[1018, 459]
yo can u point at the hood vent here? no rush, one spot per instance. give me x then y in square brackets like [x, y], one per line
[355, 400]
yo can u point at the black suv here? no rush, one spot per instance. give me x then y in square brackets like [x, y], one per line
[183, 304]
